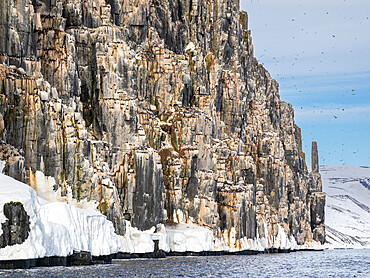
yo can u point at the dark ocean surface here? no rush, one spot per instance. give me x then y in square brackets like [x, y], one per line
[329, 263]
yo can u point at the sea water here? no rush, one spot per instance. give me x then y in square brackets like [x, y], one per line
[328, 263]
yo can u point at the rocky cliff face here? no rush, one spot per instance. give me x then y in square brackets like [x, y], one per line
[16, 228]
[157, 111]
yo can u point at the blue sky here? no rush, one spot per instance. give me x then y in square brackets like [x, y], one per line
[319, 52]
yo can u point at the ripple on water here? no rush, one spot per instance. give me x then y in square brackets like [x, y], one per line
[331, 263]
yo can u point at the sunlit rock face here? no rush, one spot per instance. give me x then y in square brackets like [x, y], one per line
[158, 112]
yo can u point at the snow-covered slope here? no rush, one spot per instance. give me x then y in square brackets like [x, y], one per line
[347, 205]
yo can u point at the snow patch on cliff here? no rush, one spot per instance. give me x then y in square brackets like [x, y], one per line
[47, 189]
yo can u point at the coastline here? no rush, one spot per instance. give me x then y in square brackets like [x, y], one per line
[85, 258]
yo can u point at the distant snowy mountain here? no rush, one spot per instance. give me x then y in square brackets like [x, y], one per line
[347, 208]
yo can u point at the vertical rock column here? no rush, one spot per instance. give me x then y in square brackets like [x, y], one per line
[315, 158]
[316, 199]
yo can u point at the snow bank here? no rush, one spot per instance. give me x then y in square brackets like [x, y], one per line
[85, 231]
[188, 237]
[56, 229]
[140, 242]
